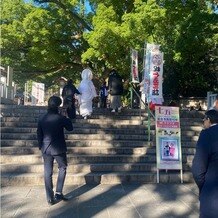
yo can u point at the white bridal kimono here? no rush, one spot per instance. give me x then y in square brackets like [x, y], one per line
[88, 92]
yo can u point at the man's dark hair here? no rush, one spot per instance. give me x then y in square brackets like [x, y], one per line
[53, 103]
[69, 81]
[217, 97]
[212, 115]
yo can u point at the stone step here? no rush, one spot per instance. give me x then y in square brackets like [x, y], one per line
[85, 168]
[33, 118]
[21, 108]
[75, 159]
[12, 127]
[84, 150]
[28, 108]
[108, 116]
[126, 121]
[28, 116]
[103, 120]
[103, 136]
[195, 126]
[89, 158]
[97, 178]
[94, 150]
[78, 125]
[77, 130]
[76, 168]
[92, 143]
[80, 130]
[194, 123]
[129, 137]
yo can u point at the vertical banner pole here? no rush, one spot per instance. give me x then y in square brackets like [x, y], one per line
[149, 126]
[147, 95]
[131, 96]
[130, 78]
[158, 178]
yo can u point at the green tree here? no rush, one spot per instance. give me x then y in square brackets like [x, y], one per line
[186, 31]
[42, 41]
[53, 38]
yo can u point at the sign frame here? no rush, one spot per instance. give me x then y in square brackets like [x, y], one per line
[168, 140]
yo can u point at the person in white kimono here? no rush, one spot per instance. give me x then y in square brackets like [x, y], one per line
[88, 92]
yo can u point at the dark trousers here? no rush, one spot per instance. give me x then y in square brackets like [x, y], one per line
[70, 106]
[103, 101]
[61, 160]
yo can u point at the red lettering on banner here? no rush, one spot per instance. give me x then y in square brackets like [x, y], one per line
[164, 111]
[135, 72]
[155, 85]
[164, 124]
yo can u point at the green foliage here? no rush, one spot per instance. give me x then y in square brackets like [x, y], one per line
[49, 39]
[41, 41]
[186, 31]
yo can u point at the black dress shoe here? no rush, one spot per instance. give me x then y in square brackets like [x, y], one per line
[51, 202]
[60, 197]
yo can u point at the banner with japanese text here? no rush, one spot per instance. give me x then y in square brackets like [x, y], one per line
[147, 60]
[168, 138]
[134, 66]
[156, 75]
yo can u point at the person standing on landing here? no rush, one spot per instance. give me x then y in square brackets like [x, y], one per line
[68, 93]
[88, 92]
[103, 95]
[205, 166]
[115, 86]
[51, 142]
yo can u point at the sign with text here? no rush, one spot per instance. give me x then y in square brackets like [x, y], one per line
[168, 138]
[147, 61]
[156, 75]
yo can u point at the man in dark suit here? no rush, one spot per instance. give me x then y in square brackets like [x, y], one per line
[115, 86]
[205, 166]
[68, 93]
[50, 134]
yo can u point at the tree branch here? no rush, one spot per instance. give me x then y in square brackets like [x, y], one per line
[74, 15]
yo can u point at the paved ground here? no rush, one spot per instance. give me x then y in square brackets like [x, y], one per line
[104, 201]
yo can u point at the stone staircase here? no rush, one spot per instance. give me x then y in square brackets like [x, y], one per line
[107, 148]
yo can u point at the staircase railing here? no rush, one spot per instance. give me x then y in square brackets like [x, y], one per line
[150, 114]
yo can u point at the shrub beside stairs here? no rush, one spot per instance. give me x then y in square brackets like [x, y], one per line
[108, 148]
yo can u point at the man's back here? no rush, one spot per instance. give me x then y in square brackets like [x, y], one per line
[50, 132]
[69, 91]
[205, 169]
[115, 84]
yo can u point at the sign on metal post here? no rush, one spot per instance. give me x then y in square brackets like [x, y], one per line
[168, 139]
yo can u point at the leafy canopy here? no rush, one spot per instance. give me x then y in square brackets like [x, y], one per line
[51, 38]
